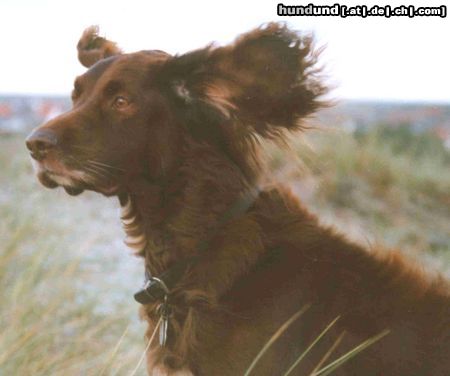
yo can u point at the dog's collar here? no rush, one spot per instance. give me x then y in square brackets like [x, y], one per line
[158, 288]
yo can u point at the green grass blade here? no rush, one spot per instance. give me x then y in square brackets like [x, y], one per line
[275, 336]
[152, 337]
[318, 338]
[328, 353]
[113, 353]
[344, 358]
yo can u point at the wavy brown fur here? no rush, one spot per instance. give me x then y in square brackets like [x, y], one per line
[176, 138]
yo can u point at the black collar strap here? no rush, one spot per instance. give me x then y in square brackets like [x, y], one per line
[156, 289]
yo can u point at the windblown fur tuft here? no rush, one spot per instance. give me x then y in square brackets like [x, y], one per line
[267, 80]
[274, 80]
[92, 48]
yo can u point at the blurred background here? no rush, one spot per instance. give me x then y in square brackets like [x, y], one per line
[376, 165]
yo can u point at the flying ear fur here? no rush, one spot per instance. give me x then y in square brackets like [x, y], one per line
[92, 48]
[267, 79]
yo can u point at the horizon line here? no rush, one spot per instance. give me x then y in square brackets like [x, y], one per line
[336, 100]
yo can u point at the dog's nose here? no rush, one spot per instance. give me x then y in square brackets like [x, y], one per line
[40, 141]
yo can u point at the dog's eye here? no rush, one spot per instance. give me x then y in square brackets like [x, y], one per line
[120, 103]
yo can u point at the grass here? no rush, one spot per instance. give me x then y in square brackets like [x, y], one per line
[318, 369]
[377, 187]
[49, 326]
[54, 269]
[53, 273]
[275, 336]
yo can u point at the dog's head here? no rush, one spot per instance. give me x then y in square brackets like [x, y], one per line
[133, 113]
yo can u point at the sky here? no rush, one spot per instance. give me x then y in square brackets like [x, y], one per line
[373, 58]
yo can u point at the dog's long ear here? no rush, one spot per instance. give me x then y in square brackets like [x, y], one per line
[267, 79]
[92, 48]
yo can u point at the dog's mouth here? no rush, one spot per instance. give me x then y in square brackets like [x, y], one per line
[51, 180]
[74, 181]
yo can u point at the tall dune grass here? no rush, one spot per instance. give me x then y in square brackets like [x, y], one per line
[387, 185]
[48, 326]
[59, 312]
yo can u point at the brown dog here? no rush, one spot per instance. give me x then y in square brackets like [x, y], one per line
[176, 139]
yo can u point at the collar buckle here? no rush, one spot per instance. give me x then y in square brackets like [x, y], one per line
[155, 289]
